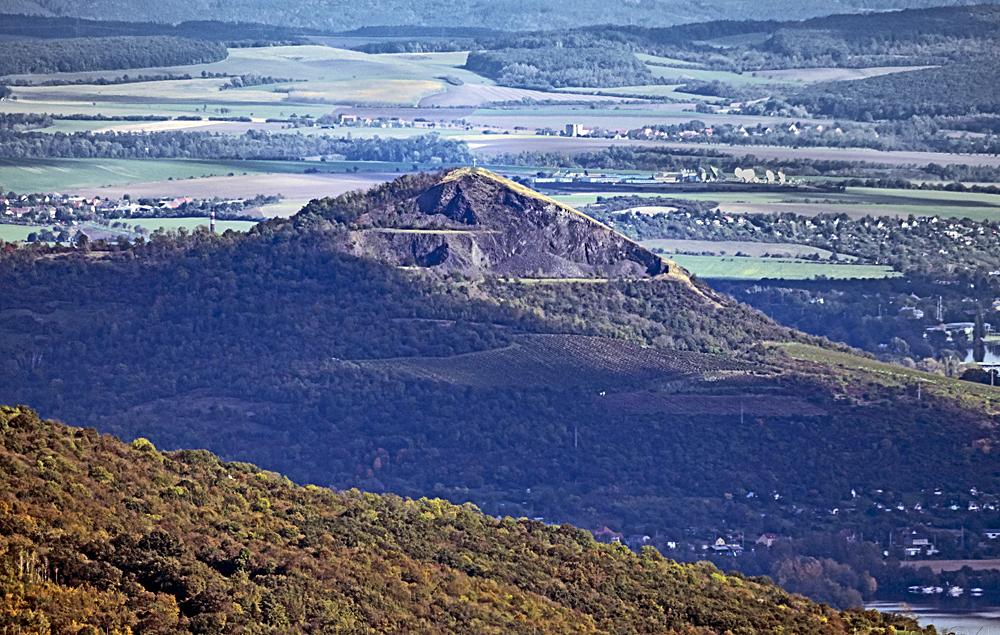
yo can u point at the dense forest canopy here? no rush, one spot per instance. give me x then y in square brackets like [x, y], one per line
[167, 543]
[556, 67]
[967, 88]
[96, 54]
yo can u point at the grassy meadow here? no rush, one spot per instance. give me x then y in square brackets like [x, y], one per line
[17, 233]
[757, 268]
[64, 175]
[173, 224]
[734, 247]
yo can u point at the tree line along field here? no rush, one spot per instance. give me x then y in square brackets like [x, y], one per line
[855, 202]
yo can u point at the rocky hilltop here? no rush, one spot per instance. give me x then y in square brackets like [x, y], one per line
[473, 221]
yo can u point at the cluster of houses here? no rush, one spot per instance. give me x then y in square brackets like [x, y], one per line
[653, 178]
[916, 539]
[354, 120]
[48, 208]
[67, 211]
[951, 329]
[730, 132]
[729, 544]
[59, 208]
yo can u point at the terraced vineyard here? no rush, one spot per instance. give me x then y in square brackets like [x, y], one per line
[564, 360]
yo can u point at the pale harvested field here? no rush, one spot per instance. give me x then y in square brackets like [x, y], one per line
[162, 126]
[322, 74]
[498, 144]
[180, 90]
[297, 189]
[480, 95]
[833, 74]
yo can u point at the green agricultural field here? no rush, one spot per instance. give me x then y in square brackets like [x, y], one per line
[173, 224]
[733, 247]
[930, 197]
[17, 233]
[728, 77]
[749, 268]
[68, 175]
[64, 175]
[213, 108]
[69, 126]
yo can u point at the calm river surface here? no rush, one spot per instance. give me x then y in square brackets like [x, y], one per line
[984, 620]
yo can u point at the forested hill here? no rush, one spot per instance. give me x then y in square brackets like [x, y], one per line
[639, 400]
[99, 536]
[492, 14]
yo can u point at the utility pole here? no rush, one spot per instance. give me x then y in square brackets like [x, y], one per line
[939, 313]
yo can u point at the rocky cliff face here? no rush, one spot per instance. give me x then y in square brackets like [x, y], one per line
[473, 221]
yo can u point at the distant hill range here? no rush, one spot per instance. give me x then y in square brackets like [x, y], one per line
[492, 14]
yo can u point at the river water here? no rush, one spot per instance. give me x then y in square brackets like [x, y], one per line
[992, 358]
[983, 620]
